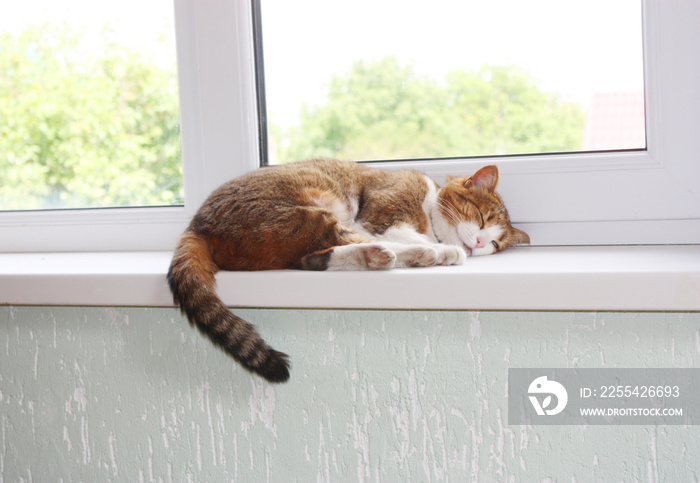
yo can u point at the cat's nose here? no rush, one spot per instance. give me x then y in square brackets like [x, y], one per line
[480, 242]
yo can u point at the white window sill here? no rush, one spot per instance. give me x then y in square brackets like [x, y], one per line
[636, 278]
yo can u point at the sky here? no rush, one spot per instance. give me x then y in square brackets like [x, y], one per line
[133, 15]
[141, 24]
[573, 47]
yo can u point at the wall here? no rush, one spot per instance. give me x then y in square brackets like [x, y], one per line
[127, 394]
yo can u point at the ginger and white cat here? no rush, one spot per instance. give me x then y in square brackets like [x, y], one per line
[327, 215]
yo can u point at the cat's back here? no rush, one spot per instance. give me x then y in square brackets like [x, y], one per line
[276, 189]
[285, 186]
[290, 178]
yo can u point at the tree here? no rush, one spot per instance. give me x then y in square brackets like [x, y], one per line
[385, 110]
[85, 127]
[501, 110]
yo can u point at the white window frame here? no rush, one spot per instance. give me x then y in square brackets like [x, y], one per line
[635, 197]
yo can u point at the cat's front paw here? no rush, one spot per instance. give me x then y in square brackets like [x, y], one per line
[417, 256]
[450, 255]
[362, 256]
[377, 257]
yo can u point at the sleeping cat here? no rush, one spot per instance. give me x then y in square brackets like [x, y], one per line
[327, 215]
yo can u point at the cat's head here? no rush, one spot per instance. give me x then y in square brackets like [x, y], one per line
[473, 214]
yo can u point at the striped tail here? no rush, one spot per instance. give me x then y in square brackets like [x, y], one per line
[191, 280]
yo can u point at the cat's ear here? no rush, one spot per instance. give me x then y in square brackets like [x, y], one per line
[518, 237]
[485, 179]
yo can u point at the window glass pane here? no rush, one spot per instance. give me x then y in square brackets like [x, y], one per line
[401, 79]
[88, 105]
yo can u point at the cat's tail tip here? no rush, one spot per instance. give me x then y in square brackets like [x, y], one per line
[276, 367]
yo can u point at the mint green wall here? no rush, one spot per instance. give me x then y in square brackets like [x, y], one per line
[128, 394]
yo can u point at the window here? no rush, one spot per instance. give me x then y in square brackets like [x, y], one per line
[89, 97]
[455, 78]
[89, 105]
[626, 197]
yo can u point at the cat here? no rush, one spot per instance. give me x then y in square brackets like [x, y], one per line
[325, 214]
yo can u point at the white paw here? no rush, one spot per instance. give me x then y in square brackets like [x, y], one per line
[416, 256]
[377, 257]
[450, 255]
[362, 256]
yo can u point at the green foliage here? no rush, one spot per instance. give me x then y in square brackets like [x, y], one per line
[98, 126]
[85, 127]
[384, 110]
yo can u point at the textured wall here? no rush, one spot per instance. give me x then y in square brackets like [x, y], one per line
[128, 394]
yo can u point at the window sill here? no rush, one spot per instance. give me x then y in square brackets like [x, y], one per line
[636, 278]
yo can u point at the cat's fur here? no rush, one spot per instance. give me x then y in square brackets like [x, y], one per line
[327, 215]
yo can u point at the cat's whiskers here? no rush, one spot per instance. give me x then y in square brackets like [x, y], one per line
[449, 210]
[510, 240]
